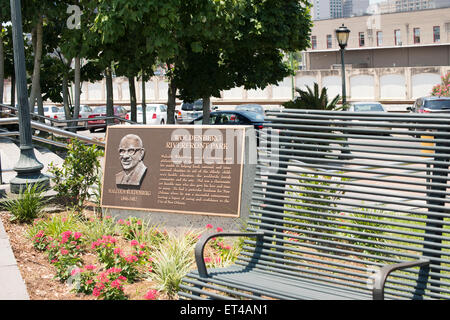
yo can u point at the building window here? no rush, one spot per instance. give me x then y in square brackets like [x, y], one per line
[313, 42]
[437, 34]
[379, 38]
[361, 39]
[416, 35]
[329, 41]
[397, 37]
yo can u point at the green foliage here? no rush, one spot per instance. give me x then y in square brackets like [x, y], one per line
[96, 228]
[172, 261]
[53, 226]
[313, 99]
[78, 173]
[28, 205]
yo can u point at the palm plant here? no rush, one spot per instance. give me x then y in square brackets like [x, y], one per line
[313, 99]
[28, 205]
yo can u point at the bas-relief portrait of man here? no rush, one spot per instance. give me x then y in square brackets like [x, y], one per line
[131, 154]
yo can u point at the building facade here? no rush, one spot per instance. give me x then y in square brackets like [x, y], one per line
[401, 39]
[391, 6]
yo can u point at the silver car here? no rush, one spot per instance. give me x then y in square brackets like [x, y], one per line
[369, 107]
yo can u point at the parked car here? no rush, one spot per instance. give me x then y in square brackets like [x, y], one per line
[367, 106]
[52, 112]
[236, 117]
[431, 104]
[189, 111]
[251, 107]
[85, 112]
[154, 114]
[119, 111]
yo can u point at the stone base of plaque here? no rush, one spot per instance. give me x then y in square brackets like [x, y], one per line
[180, 223]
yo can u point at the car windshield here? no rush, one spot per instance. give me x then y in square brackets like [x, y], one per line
[437, 104]
[252, 108]
[100, 110]
[196, 106]
[368, 107]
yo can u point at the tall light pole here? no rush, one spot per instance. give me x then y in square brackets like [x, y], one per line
[342, 34]
[28, 168]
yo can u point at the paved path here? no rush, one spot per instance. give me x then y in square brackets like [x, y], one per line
[12, 286]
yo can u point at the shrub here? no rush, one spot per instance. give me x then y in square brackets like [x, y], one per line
[442, 89]
[65, 253]
[78, 173]
[54, 226]
[172, 260]
[28, 205]
[312, 99]
[109, 285]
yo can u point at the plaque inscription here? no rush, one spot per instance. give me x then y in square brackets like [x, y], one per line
[183, 169]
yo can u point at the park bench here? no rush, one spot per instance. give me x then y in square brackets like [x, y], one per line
[344, 206]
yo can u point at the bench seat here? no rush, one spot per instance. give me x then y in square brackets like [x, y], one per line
[261, 284]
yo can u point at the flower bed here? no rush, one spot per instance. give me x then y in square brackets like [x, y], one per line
[100, 258]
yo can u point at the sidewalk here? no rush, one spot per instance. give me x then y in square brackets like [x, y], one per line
[12, 286]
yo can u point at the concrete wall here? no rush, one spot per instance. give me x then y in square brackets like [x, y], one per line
[395, 85]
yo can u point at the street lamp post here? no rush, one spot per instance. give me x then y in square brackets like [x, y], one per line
[342, 34]
[28, 168]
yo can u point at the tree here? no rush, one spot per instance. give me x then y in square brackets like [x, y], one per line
[313, 99]
[442, 89]
[242, 48]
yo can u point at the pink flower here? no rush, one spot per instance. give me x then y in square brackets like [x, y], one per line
[134, 243]
[90, 267]
[120, 221]
[77, 235]
[96, 292]
[209, 226]
[64, 251]
[151, 295]
[118, 251]
[219, 229]
[207, 259]
[131, 259]
[116, 284]
[76, 271]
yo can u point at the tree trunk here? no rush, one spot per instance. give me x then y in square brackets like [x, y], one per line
[109, 96]
[133, 101]
[13, 91]
[66, 98]
[40, 104]
[76, 107]
[206, 109]
[37, 46]
[2, 69]
[144, 106]
[171, 103]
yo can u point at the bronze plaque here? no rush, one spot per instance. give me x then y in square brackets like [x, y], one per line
[172, 168]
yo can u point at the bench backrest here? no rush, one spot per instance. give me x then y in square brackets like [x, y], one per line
[340, 194]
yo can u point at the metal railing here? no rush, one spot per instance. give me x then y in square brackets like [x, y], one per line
[61, 128]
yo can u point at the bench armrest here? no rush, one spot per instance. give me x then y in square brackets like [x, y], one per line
[200, 246]
[381, 275]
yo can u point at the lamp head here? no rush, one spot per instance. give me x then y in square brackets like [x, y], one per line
[342, 34]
